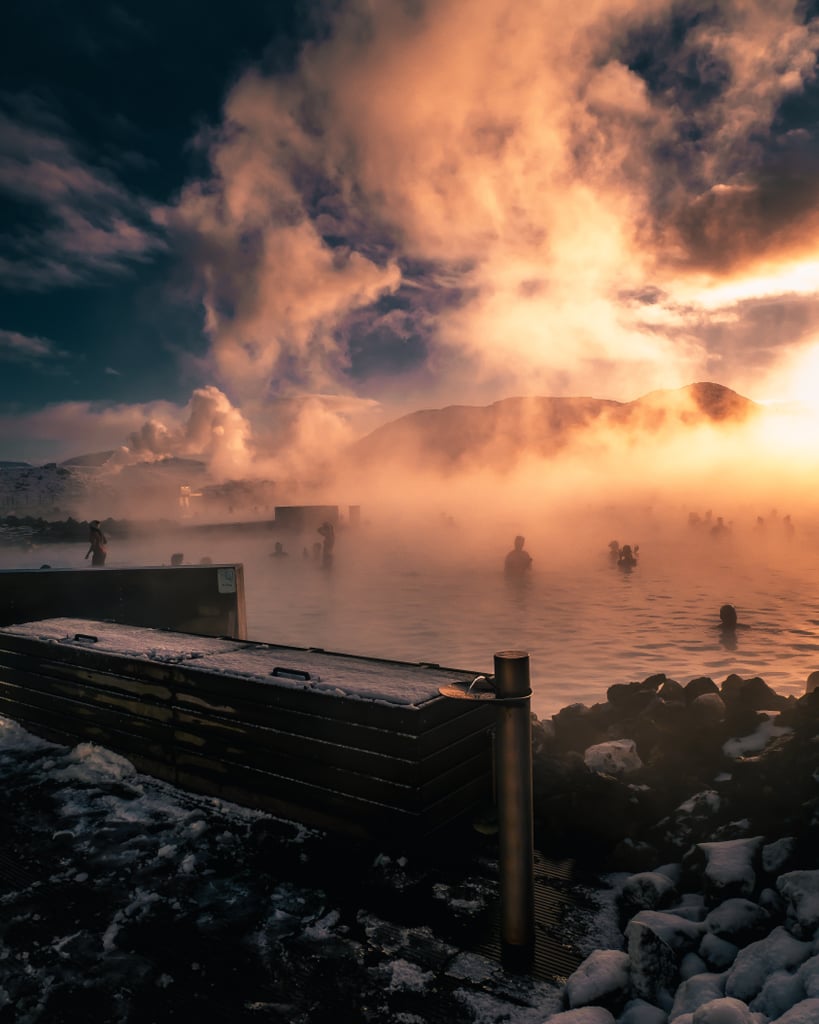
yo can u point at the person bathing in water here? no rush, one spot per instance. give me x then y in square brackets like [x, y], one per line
[627, 558]
[728, 626]
[96, 543]
[329, 535]
[518, 560]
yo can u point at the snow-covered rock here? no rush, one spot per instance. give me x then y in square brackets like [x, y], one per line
[800, 890]
[615, 757]
[656, 943]
[602, 979]
[777, 951]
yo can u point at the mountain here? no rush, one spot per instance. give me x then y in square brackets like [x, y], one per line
[498, 434]
[92, 459]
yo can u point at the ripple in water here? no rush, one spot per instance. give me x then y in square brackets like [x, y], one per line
[585, 625]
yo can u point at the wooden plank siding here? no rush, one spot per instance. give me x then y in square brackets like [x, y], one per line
[208, 600]
[323, 756]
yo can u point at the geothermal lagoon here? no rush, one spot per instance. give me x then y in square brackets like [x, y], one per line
[436, 592]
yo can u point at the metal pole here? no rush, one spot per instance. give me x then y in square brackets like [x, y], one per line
[515, 829]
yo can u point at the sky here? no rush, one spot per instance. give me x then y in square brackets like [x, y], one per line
[254, 227]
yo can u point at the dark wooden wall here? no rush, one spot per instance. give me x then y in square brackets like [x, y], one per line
[362, 767]
[204, 599]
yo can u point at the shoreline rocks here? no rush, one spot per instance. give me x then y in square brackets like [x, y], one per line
[710, 814]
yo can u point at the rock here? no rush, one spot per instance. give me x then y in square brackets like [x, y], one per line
[776, 952]
[602, 980]
[583, 1015]
[638, 1011]
[631, 698]
[699, 686]
[647, 890]
[693, 993]
[708, 710]
[778, 856]
[656, 943]
[691, 821]
[806, 1012]
[800, 890]
[730, 868]
[739, 921]
[716, 953]
[614, 757]
[724, 1011]
[578, 726]
[692, 964]
[780, 991]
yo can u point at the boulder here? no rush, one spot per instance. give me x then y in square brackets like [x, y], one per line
[800, 890]
[602, 980]
[656, 943]
[778, 951]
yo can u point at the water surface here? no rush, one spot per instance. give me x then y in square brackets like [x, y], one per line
[585, 624]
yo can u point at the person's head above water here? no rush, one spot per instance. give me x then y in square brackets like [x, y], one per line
[728, 616]
[519, 542]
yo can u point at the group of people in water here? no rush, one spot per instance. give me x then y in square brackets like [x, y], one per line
[518, 561]
[716, 526]
[624, 557]
[322, 549]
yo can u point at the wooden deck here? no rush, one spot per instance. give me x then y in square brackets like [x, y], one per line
[356, 745]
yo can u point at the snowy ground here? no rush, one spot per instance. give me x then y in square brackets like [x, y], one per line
[125, 900]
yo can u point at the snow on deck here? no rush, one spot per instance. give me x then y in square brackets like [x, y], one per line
[341, 675]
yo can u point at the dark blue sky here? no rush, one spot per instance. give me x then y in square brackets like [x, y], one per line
[119, 89]
[343, 211]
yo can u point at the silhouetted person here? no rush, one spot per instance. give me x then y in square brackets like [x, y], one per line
[627, 558]
[329, 535]
[719, 528]
[518, 560]
[177, 557]
[278, 550]
[96, 543]
[614, 551]
[728, 626]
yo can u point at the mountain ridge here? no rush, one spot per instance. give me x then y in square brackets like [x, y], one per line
[498, 433]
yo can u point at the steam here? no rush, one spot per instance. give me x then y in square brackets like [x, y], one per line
[546, 199]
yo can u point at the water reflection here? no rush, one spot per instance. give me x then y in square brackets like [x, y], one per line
[583, 630]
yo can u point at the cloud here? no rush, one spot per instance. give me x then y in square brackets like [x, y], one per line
[73, 219]
[432, 206]
[532, 165]
[35, 351]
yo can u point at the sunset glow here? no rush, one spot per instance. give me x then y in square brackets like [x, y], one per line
[399, 206]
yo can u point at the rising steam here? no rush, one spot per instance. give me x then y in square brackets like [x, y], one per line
[436, 206]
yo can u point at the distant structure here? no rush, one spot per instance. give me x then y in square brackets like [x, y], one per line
[305, 518]
[308, 518]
